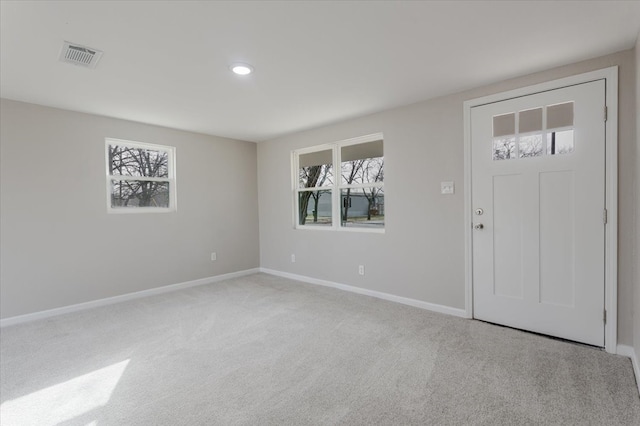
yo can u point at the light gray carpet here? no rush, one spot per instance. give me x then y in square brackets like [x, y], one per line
[262, 350]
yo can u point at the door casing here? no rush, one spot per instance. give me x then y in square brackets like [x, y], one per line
[610, 75]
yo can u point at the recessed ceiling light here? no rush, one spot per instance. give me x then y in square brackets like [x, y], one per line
[242, 69]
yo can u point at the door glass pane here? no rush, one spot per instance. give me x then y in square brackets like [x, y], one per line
[560, 142]
[314, 208]
[560, 115]
[504, 148]
[530, 121]
[362, 207]
[504, 125]
[531, 146]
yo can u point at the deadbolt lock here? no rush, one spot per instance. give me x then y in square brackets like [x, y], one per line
[479, 212]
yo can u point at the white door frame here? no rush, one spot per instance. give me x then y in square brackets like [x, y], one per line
[611, 188]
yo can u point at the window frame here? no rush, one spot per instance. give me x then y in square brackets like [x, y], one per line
[170, 179]
[337, 186]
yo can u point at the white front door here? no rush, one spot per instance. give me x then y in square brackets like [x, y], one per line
[538, 195]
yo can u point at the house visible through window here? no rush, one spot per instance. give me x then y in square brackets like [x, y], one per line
[350, 196]
[140, 177]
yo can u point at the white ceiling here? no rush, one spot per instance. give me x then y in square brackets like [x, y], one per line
[166, 63]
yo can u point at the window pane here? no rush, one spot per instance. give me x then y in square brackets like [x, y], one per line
[362, 163]
[316, 176]
[530, 120]
[560, 142]
[316, 169]
[362, 207]
[531, 146]
[560, 115]
[504, 148]
[139, 193]
[128, 161]
[504, 125]
[314, 208]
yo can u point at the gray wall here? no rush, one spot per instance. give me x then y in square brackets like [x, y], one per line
[60, 247]
[421, 255]
[636, 310]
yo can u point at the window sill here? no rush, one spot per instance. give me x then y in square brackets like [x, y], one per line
[139, 210]
[341, 229]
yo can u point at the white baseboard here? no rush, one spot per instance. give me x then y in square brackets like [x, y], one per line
[122, 298]
[625, 350]
[385, 296]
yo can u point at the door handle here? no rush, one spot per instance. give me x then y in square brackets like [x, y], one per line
[479, 227]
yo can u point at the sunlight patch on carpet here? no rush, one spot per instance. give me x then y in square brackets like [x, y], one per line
[64, 401]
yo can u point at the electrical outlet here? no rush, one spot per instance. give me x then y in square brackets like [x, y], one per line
[293, 258]
[214, 256]
[361, 269]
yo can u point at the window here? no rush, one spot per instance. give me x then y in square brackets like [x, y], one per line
[552, 124]
[140, 177]
[350, 196]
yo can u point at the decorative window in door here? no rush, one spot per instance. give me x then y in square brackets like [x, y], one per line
[545, 130]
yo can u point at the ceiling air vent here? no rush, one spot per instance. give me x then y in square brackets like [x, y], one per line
[80, 55]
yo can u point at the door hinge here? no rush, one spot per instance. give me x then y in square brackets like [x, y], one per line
[606, 110]
[605, 216]
[604, 316]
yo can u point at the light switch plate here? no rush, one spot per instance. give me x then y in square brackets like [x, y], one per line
[447, 188]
